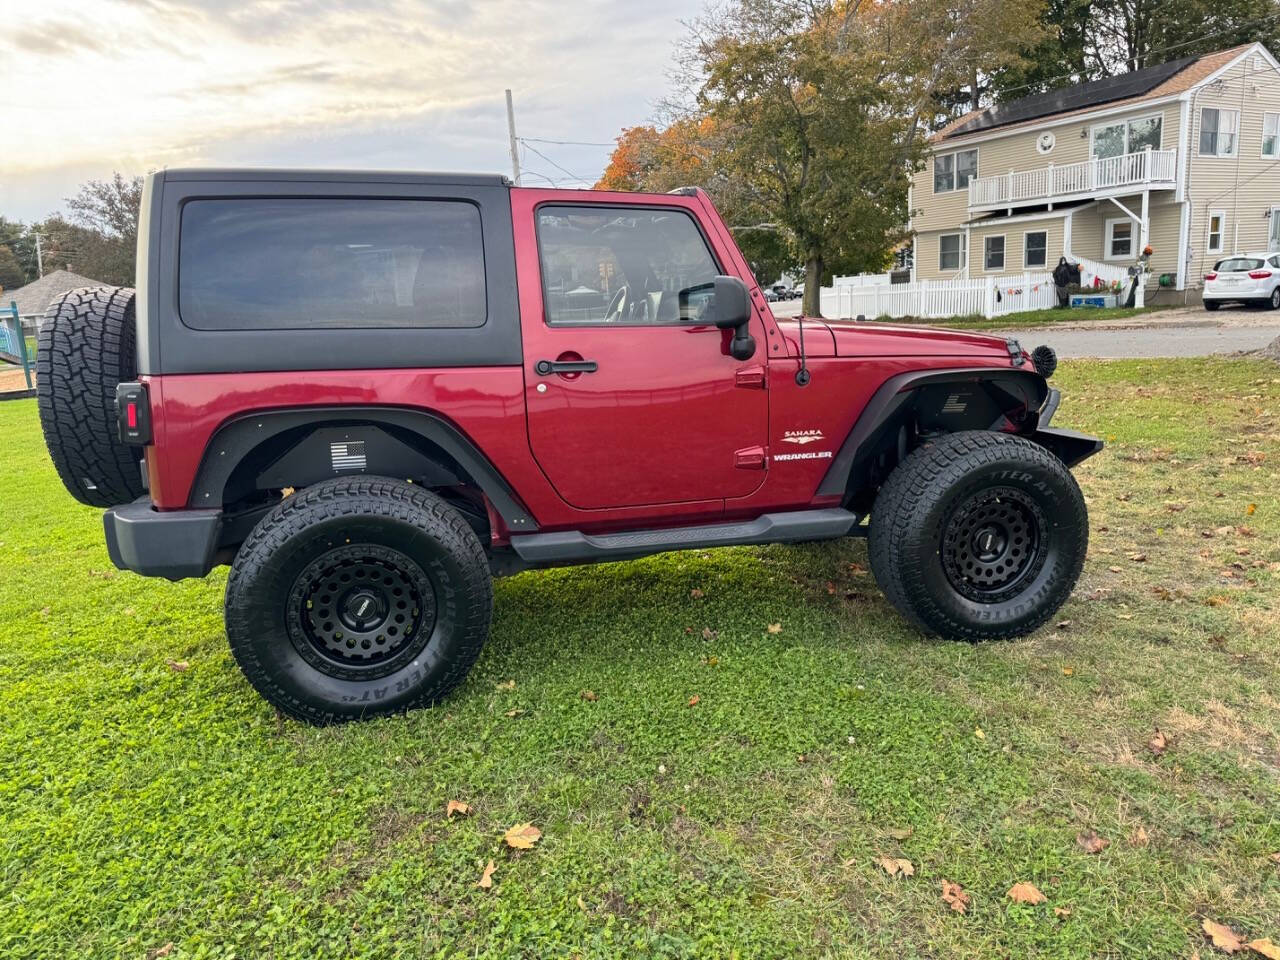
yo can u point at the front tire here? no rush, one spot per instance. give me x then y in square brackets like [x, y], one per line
[358, 597]
[979, 536]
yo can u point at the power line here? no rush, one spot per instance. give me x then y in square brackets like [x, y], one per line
[567, 143]
[571, 176]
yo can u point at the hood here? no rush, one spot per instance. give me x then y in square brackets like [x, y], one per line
[885, 340]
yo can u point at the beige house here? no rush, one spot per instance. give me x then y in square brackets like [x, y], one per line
[1184, 156]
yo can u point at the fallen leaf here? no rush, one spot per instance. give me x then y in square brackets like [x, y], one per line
[458, 807]
[1090, 842]
[709, 634]
[178, 666]
[522, 836]
[1138, 557]
[1158, 743]
[977, 732]
[582, 904]
[1063, 624]
[954, 896]
[1115, 569]
[1062, 911]
[1025, 893]
[1265, 948]
[589, 696]
[159, 952]
[514, 713]
[696, 593]
[1222, 937]
[712, 661]
[486, 878]
[897, 865]
[775, 628]
[507, 685]
[695, 700]
[1175, 507]
[1250, 510]
[901, 833]
[1139, 837]
[1067, 671]
[801, 759]
[1274, 858]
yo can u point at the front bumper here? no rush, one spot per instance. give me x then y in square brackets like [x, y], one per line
[174, 544]
[1070, 446]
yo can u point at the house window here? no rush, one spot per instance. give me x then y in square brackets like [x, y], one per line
[1219, 131]
[953, 171]
[951, 251]
[1127, 136]
[1271, 135]
[1119, 240]
[993, 252]
[1035, 248]
[1214, 240]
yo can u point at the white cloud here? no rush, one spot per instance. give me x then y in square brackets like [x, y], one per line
[137, 84]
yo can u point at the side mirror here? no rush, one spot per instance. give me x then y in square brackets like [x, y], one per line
[732, 311]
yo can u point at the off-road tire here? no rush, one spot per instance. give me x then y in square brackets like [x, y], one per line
[922, 507]
[86, 346]
[283, 653]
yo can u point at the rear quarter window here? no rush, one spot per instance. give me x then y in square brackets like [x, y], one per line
[303, 263]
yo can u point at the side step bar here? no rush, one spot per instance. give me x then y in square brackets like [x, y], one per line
[573, 546]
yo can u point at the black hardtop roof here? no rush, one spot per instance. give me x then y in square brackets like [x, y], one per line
[1091, 94]
[303, 175]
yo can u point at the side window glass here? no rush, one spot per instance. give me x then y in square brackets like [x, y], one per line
[623, 265]
[309, 263]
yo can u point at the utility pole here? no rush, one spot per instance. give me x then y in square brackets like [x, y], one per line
[39, 258]
[511, 133]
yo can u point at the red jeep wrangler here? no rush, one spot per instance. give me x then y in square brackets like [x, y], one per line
[370, 392]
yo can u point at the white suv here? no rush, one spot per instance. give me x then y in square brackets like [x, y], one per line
[1247, 278]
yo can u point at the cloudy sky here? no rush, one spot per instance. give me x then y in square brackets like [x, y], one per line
[91, 86]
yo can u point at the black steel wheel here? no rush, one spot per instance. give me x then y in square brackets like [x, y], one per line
[992, 544]
[358, 597]
[979, 535]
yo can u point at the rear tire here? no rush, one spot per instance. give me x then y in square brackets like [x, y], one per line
[358, 597]
[979, 536]
[1273, 302]
[1212, 305]
[87, 345]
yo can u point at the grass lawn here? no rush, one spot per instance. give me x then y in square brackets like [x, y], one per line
[1041, 318]
[149, 798]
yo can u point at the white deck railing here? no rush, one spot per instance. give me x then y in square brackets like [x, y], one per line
[1072, 179]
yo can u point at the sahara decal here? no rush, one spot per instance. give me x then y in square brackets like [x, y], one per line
[801, 436]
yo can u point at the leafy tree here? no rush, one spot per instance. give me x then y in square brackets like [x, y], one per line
[1090, 39]
[818, 112]
[12, 275]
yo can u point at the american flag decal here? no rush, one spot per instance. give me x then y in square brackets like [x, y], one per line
[348, 456]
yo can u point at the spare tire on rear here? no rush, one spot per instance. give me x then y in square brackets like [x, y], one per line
[86, 346]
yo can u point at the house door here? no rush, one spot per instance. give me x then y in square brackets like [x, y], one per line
[631, 397]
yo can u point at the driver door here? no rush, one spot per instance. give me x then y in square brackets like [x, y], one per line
[632, 397]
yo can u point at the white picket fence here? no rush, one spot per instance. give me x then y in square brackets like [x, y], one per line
[935, 299]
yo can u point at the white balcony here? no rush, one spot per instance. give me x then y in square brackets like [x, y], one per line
[1110, 176]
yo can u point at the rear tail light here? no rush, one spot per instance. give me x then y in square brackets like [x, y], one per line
[1259, 274]
[1211, 275]
[133, 413]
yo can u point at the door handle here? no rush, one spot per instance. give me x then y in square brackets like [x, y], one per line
[547, 367]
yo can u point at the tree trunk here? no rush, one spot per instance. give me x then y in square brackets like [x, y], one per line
[811, 305]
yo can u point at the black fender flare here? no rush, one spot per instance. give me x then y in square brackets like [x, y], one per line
[865, 438]
[238, 438]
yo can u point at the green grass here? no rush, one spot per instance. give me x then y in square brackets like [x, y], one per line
[142, 806]
[1040, 318]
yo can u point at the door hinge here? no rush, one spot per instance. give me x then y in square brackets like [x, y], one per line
[750, 458]
[751, 377]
